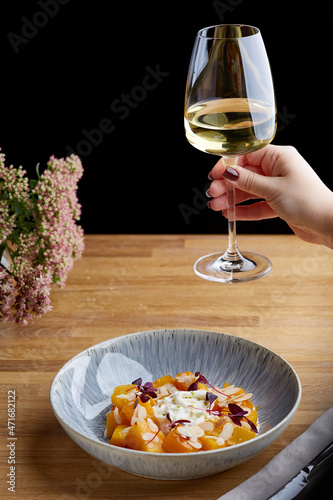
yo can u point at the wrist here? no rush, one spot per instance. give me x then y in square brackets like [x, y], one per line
[326, 226]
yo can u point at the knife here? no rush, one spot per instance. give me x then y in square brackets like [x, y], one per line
[308, 481]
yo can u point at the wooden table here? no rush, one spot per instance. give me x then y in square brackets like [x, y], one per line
[126, 284]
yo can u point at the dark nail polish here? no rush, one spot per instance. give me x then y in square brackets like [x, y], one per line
[231, 174]
[208, 205]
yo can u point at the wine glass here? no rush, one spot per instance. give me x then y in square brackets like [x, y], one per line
[230, 110]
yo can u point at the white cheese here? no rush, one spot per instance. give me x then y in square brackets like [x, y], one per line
[183, 405]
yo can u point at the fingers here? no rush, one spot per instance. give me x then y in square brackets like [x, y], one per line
[250, 180]
[220, 201]
[262, 161]
[257, 211]
[217, 188]
[218, 170]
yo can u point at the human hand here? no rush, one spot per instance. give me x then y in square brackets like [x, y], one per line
[289, 187]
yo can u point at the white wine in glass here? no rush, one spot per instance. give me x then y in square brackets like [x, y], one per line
[230, 110]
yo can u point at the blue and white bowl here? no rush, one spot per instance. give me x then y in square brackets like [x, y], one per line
[81, 390]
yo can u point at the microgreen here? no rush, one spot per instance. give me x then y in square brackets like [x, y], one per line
[175, 422]
[172, 425]
[144, 392]
[211, 398]
[202, 378]
[235, 413]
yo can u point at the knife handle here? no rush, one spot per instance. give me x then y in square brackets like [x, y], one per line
[309, 482]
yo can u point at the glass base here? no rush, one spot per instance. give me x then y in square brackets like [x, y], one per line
[216, 267]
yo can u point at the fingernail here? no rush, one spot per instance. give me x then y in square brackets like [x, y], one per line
[208, 194]
[210, 176]
[209, 204]
[231, 174]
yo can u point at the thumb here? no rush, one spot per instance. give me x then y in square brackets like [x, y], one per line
[249, 181]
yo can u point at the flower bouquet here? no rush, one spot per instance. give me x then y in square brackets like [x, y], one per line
[39, 237]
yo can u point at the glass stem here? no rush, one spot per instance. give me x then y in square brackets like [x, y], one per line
[232, 254]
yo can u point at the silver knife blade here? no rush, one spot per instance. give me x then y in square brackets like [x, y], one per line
[293, 487]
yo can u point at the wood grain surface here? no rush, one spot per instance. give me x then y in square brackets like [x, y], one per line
[129, 283]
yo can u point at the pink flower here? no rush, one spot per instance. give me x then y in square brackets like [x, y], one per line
[38, 228]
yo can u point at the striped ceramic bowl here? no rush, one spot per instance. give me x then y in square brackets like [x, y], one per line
[80, 394]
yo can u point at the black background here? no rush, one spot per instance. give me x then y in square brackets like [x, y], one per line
[75, 59]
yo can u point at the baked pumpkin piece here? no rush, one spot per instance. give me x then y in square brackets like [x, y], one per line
[139, 411]
[211, 442]
[143, 436]
[179, 441]
[167, 379]
[185, 379]
[122, 394]
[240, 435]
[119, 435]
[114, 419]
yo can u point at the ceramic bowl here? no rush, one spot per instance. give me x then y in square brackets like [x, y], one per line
[80, 394]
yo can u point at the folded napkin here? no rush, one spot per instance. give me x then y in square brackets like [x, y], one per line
[284, 466]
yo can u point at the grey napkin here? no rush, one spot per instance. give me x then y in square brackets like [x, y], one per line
[287, 463]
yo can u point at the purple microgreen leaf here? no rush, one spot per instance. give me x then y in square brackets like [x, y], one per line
[236, 410]
[194, 386]
[251, 424]
[145, 391]
[137, 382]
[148, 386]
[237, 413]
[136, 402]
[211, 398]
[172, 425]
[182, 421]
[208, 410]
[202, 378]
[152, 392]
[235, 420]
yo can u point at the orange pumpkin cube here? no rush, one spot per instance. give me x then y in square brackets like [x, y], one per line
[218, 427]
[118, 436]
[140, 437]
[212, 442]
[175, 443]
[113, 419]
[167, 379]
[184, 380]
[128, 411]
[121, 394]
[240, 435]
